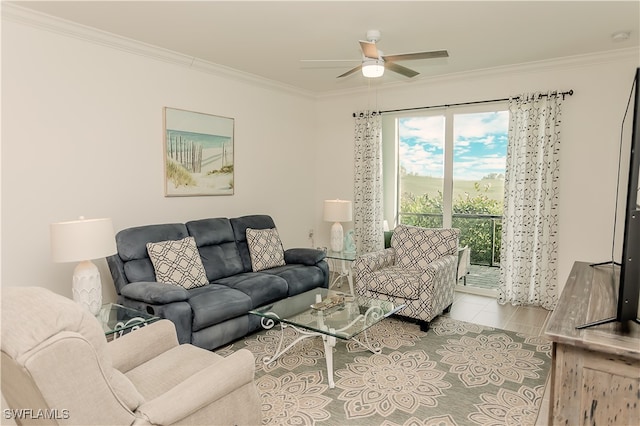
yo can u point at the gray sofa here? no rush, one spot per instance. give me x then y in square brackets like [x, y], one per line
[217, 313]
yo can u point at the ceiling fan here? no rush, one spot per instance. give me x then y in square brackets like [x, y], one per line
[374, 61]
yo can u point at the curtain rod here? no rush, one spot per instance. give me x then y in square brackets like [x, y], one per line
[568, 93]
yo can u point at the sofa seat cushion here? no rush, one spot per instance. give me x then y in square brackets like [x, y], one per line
[260, 287]
[300, 278]
[214, 303]
[397, 282]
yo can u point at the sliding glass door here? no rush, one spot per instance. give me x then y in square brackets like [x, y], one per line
[450, 168]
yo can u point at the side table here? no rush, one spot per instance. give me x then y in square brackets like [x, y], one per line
[117, 320]
[345, 259]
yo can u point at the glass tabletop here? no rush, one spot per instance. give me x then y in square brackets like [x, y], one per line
[116, 318]
[341, 255]
[344, 317]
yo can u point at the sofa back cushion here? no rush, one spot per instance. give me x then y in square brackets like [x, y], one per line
[240, 225]
[132, 248]
[217, 246]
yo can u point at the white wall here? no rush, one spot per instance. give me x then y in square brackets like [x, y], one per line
[590, 136]
[82, 135]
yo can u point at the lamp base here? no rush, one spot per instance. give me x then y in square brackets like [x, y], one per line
[87, 288]
[337, 237]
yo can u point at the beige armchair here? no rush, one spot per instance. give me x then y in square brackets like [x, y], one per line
[57, 368]
[418, 270]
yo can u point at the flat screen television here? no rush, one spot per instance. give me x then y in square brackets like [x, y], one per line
[629, 291]
[629, 278]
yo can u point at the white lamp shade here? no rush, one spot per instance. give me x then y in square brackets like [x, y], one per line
[373, 68]
[338, 211]
[82, 239]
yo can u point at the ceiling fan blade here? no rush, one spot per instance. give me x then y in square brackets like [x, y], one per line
[400, 69]
[417, 55]
[369, 49]
[351, 71]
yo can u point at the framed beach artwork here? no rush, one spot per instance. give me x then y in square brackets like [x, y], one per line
[198, 152]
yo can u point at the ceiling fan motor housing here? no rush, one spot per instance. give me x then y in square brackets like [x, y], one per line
[373, 35]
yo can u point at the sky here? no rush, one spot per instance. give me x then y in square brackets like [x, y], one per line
[480, 144]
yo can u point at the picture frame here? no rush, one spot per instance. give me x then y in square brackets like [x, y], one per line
[198, 154]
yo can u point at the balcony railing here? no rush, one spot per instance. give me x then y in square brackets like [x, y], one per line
[482, 233]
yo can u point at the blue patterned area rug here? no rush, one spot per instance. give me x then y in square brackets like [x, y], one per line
[456, 374]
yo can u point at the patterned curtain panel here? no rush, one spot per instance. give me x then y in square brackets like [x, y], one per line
[367, 204]
[529, 251]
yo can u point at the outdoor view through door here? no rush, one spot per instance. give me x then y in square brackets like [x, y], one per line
[451, 169]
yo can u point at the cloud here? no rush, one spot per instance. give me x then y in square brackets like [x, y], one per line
[480, 141]
[477, 125]
[421, 159]
[428, 130]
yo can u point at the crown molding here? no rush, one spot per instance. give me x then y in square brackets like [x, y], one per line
[576, 61]
[14, 13]
[567, 62]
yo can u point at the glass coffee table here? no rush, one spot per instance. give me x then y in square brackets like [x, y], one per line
[335, 315]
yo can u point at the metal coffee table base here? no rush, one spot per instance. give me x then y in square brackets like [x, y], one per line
[328, 339]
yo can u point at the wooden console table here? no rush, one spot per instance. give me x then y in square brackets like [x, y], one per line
[595, 377]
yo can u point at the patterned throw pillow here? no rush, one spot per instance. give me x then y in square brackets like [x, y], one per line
[265, 248]
[178, 263]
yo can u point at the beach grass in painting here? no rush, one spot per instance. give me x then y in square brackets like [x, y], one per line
[198, 154]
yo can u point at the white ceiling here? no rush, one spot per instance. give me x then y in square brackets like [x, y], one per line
[269, 38]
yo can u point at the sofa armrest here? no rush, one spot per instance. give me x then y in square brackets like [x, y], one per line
[154, 293]
[203, 388]
[305, 256]
[136, 348]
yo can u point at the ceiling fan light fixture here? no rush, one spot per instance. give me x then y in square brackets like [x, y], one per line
[373, 68]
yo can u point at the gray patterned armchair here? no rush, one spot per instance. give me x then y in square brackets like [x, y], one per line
[419, 270]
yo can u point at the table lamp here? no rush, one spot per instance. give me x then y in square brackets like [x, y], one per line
[337, 211]
[81, 241]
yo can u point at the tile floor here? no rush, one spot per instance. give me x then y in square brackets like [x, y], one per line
[487, 311]
[523, 319]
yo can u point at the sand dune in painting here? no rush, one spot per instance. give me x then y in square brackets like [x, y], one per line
[207, 184]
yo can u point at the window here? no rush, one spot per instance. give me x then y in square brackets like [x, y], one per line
[448, 170]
